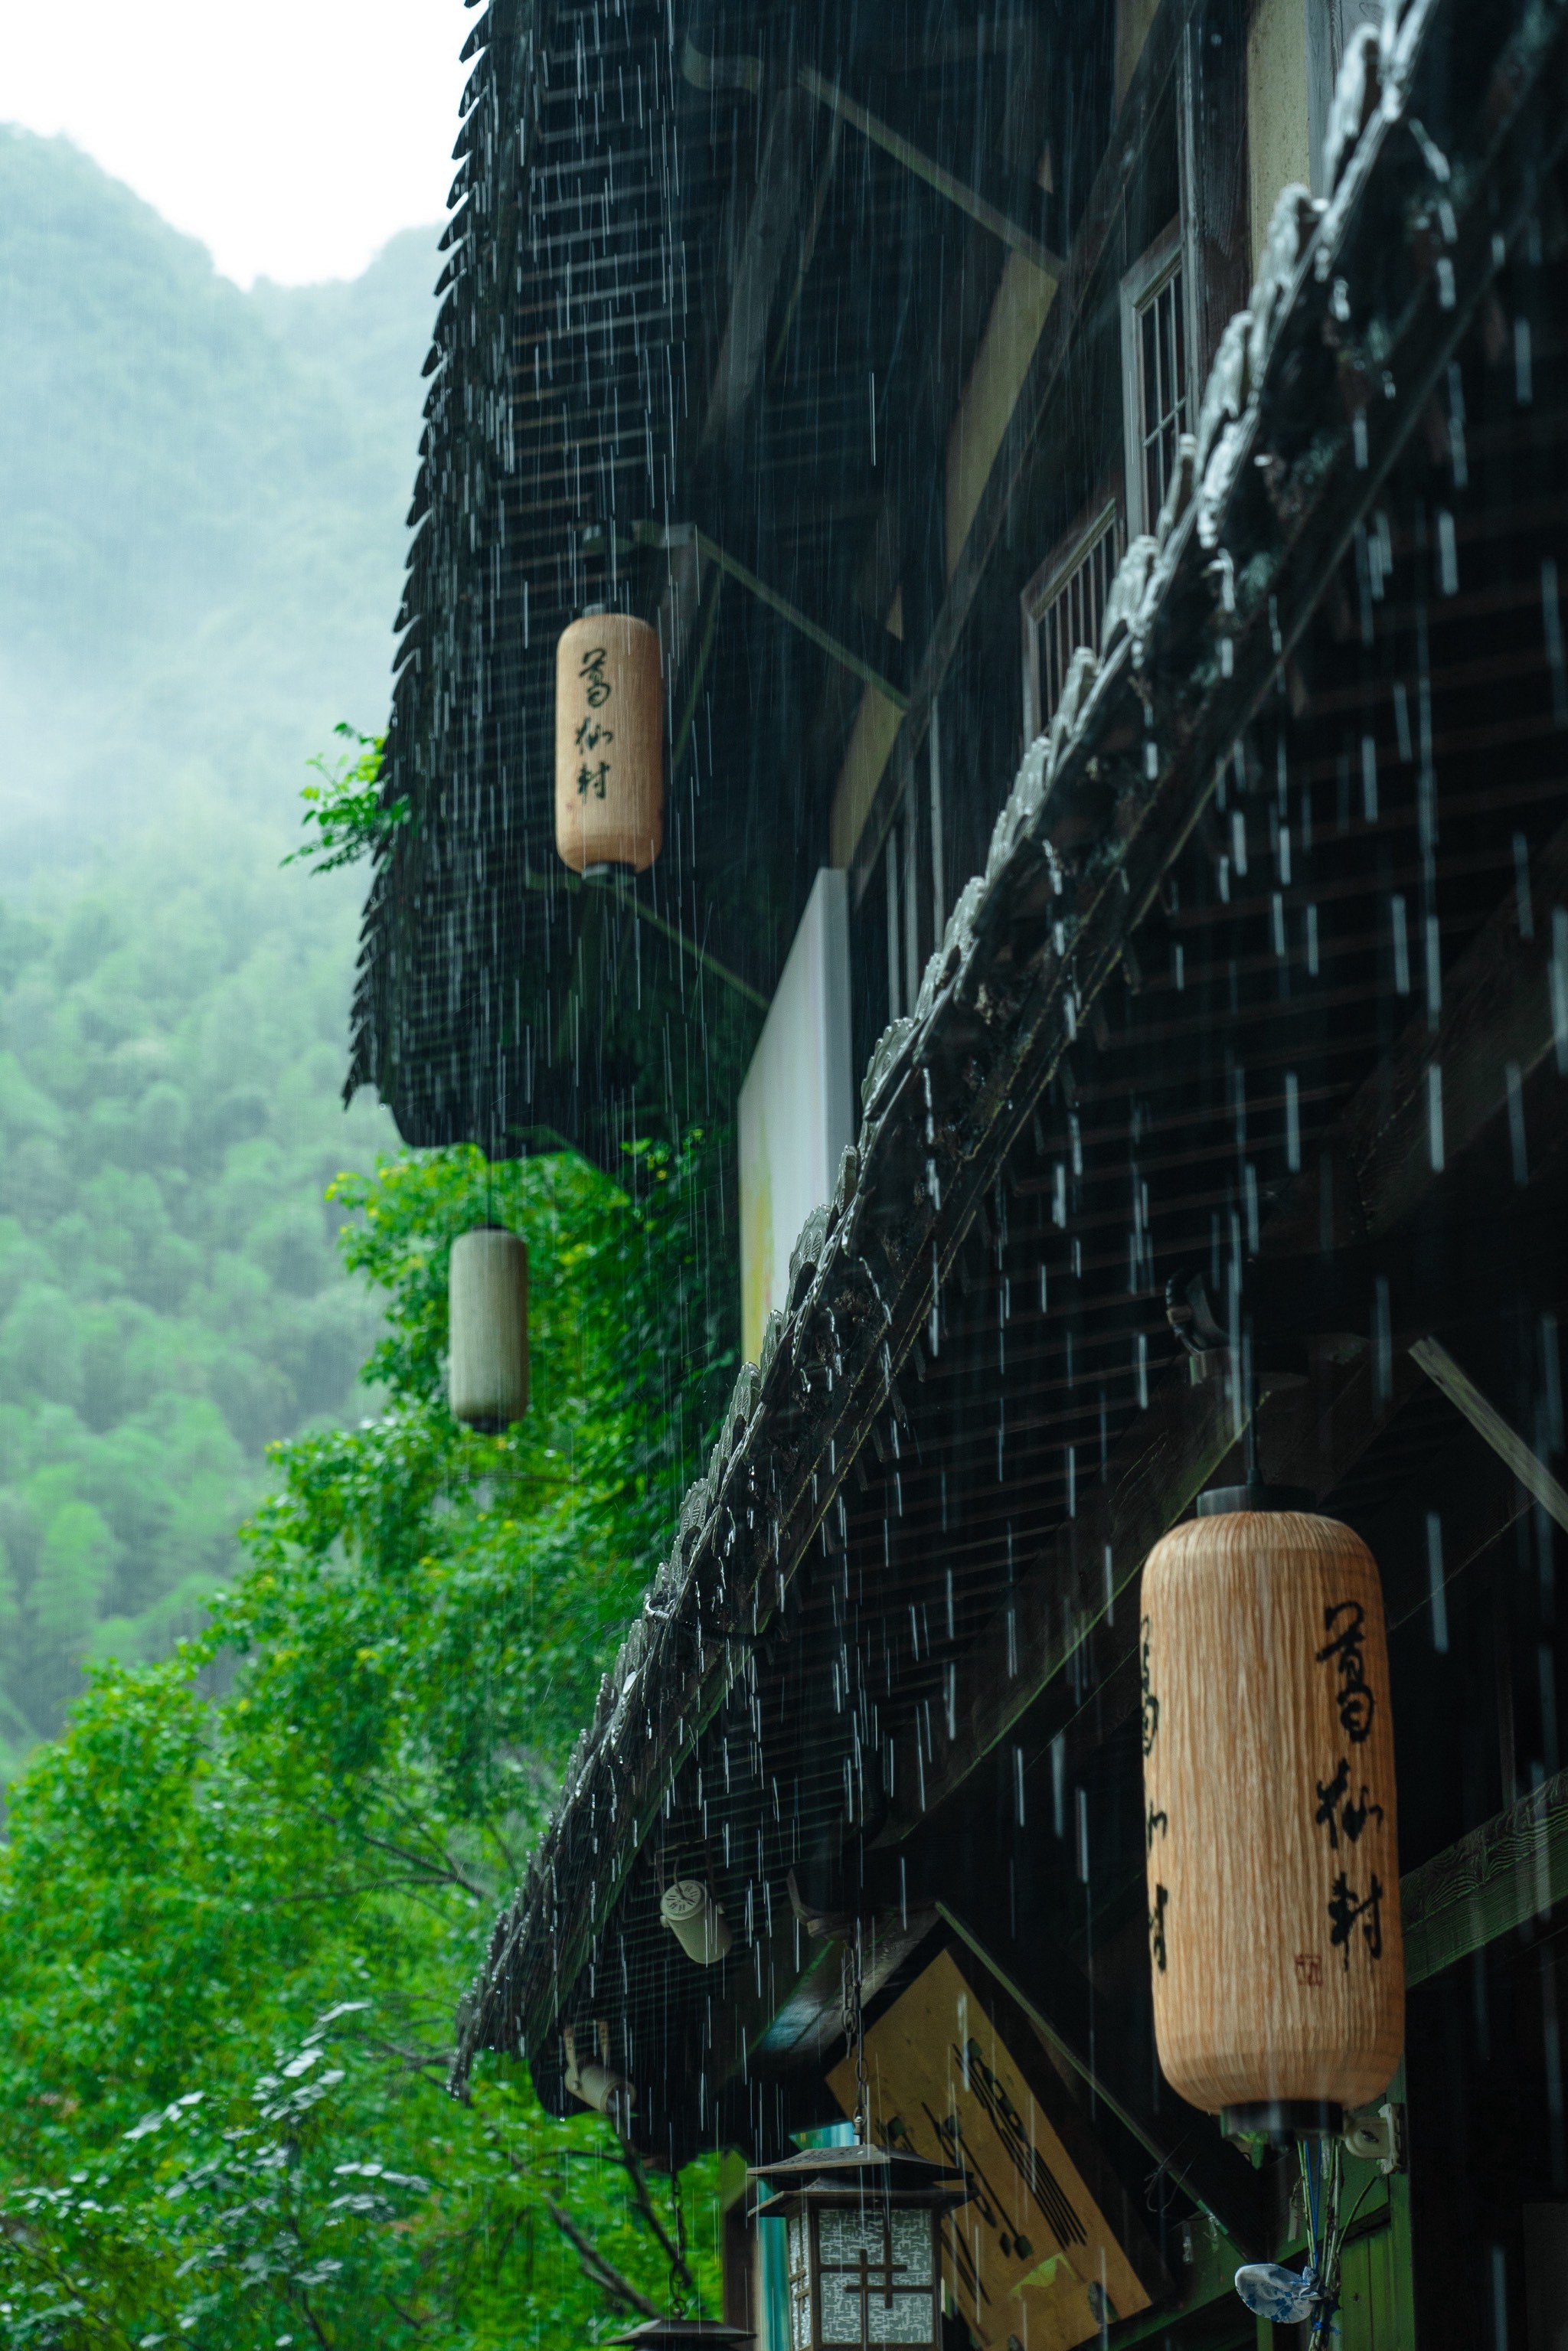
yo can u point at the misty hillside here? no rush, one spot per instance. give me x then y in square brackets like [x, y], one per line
[204, 494]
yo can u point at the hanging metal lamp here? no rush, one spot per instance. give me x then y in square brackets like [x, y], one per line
[609, 744]
[1270, 1815]
[864, 2237]
[487, 1331]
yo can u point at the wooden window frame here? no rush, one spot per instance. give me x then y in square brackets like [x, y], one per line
[1152, 271]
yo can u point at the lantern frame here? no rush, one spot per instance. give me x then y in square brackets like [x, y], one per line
[877, 2189]
[683, 2335]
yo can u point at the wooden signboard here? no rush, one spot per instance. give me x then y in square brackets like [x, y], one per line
[1031, 2259]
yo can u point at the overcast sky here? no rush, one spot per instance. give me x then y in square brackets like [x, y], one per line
[293, 137]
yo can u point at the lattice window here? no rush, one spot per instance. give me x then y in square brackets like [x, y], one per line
[1162, 388]
[1155, 373]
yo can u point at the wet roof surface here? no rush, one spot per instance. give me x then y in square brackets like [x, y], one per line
[1170, 1017]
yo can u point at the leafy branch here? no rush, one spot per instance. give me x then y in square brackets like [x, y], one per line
[351, 818]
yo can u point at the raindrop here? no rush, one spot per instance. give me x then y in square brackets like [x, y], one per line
[1521, 886]
[1401, 945]
[1516, 1125]
[1553, 619]
[1447, 554]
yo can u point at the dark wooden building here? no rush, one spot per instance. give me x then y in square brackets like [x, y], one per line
[1100, 479]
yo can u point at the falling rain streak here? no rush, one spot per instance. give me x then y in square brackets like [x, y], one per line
[1208, 1143]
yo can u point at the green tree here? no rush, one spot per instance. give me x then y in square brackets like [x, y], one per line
[171, 1299]
[244, 1888]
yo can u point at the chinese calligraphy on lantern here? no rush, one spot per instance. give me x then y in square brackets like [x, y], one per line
[1157, 1950]
[1345, 1807]
[1356, 1704]
[1345, 1907]
[1151, 1705]
[1159, 1820]
[594, 774]
[1337, 1811]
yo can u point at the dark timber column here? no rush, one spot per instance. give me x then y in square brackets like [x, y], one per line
[1211, 101]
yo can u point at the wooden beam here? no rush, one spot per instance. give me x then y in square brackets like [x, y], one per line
[810, 2022]
[856, 641]
[1512, 1869]
[783, 2009]
[781, 179]
[1488, 1423]
[980, 208]
[1161, 1463]
[1314, 1434]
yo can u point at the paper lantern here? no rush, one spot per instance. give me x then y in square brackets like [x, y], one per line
[608, 2093]
[594, 2082]
[1273, 1875]
[487, 1358]
[864, 2239]
[609, 744]
[695, 1920]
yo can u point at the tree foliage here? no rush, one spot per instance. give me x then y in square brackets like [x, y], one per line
[350, 816]
[169, 1296]
[245, 1886]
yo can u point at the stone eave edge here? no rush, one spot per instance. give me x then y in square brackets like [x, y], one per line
[1196, 638]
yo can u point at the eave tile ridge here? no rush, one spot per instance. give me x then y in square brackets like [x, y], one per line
[463, 458]
[1294, 434]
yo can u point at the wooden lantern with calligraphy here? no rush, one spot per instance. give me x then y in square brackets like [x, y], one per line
[487, 1330]
[608, 744]
[864, 2237]
[1274, 1877]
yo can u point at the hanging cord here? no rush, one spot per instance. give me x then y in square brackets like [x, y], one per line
[854, 2032]
[1322, 2179]
[1253, 1474]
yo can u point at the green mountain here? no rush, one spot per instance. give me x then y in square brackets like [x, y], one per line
[204, 494]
